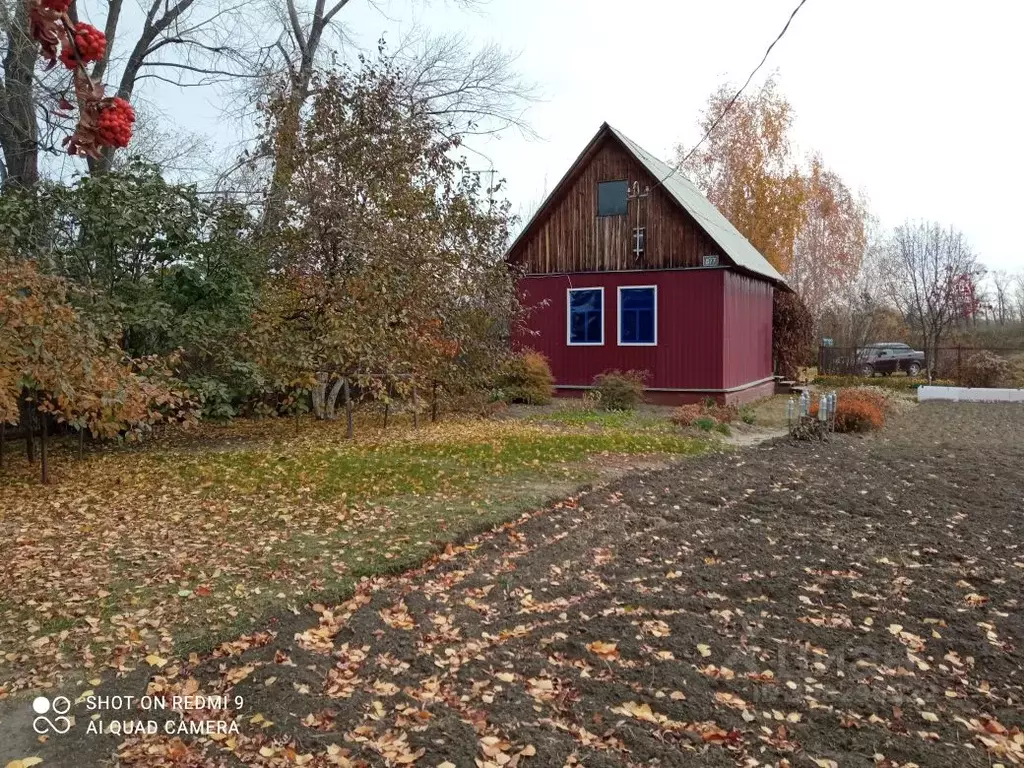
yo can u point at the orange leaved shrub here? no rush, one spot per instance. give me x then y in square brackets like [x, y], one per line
[686, 415]
[858, 409]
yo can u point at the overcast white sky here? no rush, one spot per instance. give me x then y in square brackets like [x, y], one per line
[915, 102]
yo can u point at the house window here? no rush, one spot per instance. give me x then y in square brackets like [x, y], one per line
[611, 198]
[638, 316]
[586, 316]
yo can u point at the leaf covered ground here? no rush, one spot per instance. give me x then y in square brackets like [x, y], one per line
[163, 548]
[849, 603]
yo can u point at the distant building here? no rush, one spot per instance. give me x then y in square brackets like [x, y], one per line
[628, 266]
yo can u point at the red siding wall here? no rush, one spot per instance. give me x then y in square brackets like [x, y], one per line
[689, 353]
[747, 338]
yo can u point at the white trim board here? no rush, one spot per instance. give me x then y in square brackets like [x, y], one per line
[737, 388]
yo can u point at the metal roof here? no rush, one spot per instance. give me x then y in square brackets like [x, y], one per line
[710, 219]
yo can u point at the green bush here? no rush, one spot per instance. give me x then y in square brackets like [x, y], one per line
[748, 415]
[526, 379]
[984, 369]
[620, 391]
[706, 423]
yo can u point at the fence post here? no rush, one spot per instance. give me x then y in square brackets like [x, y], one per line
[415, 408]
[348, 410]
[433, 402]
[959, 362]
[821, 360]
[81, 442]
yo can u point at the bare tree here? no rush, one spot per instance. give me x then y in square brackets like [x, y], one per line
[188, 43]
[1018, 295]
[179, 153]
[470, 92]
[930, 275]
[1001, 293]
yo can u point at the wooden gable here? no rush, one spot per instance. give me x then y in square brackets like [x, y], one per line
[567, 235]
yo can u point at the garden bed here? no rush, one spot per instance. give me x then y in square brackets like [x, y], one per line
[849, 603]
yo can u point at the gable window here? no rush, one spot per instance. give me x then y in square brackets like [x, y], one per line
[586, 316]
[612, 197]
[638, 315]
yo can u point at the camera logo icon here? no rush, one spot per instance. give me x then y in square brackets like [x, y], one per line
[60, 706]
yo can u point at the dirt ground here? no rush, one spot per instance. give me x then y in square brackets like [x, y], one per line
[839, 604]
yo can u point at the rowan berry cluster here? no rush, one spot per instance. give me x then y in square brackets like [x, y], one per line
[114, 126]
[90, 43]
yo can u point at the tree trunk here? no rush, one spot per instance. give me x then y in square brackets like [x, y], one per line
[45, 462]
[433, 402]
[19, 131]
[81, 442]
[330, 405]
[3, 434]
[415, 408]
[348, 412]
[28, 424]
[319, 395]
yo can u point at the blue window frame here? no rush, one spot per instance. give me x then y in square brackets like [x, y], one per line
[638, 315]
[586, 316]
[612, 198]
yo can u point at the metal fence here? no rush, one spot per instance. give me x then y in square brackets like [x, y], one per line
[949, 362]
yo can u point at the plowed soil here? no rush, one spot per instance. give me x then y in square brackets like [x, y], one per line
[847, 603]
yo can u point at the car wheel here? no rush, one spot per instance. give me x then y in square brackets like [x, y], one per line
[913, 369]
[867, 370]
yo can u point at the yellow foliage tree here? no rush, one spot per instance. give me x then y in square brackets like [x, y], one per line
[746, 169]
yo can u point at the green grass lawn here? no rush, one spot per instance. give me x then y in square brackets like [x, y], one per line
[172, 545]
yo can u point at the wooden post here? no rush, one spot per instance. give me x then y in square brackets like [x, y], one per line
[415, 408]
[81, 442]
[433, 402]
[44, 463]
[387, 412]
[348, 410]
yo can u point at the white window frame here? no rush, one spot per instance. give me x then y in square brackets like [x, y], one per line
[618, 318]
[568, 317]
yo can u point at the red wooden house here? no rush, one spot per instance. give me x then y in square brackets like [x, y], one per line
[629, 267]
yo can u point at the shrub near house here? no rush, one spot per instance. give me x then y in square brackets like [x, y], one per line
[619, 391]
[527, 379]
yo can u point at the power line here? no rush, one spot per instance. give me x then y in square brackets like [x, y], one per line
[736, 96]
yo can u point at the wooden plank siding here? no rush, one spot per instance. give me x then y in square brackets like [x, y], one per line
[568, 236]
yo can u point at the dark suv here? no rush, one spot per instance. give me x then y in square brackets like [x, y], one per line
[889, 357]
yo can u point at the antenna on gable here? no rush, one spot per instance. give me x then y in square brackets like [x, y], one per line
[640, 230]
